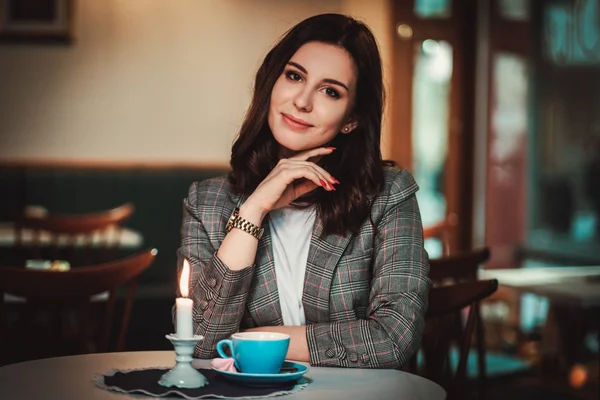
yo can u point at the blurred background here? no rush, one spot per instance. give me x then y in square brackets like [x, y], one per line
[494, 105]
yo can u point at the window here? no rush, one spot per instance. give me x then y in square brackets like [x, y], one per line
[433, 8]
[431, 107]
[572, 33]
[565, 203]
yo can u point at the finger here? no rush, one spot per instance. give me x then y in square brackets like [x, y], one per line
[319, 151]
[308, 164]
[294, 172]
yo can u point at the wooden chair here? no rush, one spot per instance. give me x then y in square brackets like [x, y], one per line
[58, 293]
[85, 238]
[441, 320]
[463, 267]
[445, 231]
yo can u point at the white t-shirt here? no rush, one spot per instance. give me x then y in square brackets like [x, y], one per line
[291, 231]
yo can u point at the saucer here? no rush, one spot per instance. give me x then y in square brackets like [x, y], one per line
[267, 380]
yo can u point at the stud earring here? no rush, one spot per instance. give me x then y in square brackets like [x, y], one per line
[346, 129]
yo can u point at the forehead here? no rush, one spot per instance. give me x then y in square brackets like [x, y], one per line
[326, 61]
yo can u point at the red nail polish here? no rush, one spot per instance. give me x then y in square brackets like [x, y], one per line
[330, 148]
[322, 182]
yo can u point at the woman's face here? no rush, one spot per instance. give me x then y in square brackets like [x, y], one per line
[312, 99]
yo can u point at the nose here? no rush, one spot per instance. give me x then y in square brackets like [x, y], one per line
[303, 100]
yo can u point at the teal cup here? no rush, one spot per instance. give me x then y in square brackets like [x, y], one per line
[256, 352]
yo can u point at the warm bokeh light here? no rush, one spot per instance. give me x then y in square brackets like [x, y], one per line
[184, 280]
[578, 376]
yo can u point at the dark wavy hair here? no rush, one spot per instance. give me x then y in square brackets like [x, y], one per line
[357, 162]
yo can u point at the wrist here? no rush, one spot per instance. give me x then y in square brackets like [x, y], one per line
[252, 213]
[239, 222]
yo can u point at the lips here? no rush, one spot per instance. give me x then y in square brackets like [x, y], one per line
[295, 123]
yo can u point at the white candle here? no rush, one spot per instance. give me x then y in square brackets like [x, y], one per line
[184, 305]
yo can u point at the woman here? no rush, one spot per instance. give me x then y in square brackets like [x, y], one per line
[311, 234]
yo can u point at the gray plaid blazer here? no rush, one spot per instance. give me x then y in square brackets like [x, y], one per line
[364, 297]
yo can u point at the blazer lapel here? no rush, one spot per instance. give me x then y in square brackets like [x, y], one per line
[263, 299]
[323, 256]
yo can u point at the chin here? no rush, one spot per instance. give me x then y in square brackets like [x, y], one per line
[287, 150]
[288, 142]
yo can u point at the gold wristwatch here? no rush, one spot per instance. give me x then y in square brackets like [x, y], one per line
[235, 221]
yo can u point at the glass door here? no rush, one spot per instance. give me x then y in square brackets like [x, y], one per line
[508, 129]
[428, 118]
[431, 87]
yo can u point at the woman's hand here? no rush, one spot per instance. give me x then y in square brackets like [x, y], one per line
[291, 178]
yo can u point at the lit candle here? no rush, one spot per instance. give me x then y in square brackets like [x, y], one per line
[184, 305]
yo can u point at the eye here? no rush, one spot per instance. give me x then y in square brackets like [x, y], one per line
[332, 93]
[293, 76]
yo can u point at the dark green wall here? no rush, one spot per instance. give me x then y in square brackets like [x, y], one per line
[157, 195]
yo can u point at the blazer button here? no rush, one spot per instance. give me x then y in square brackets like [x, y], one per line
[353, 357]
[212, 282]
[330, 353]
[364, 358]
[203, 305]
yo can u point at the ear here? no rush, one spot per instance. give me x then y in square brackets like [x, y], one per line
[349, 127]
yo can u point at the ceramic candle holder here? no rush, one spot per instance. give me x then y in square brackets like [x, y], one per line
[183, 375]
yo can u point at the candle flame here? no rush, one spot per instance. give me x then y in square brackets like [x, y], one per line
[184, 280]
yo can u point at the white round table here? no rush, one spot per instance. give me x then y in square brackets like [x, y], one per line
[72, 378]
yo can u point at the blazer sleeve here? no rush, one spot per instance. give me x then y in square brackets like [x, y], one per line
[219, 294]
[399, 292]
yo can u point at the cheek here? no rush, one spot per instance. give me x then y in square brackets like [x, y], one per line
[333, 116]
[278, 93]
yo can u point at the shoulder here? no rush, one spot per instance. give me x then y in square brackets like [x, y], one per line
[399, 184]
[210, 191]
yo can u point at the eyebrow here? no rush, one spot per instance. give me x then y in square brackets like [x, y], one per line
[327, 80]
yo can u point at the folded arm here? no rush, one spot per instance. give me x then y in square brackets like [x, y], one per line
[391, 333]
[219, 292]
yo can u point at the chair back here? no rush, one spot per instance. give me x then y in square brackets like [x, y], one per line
[84, 238]
[442, 321]
[461, 266]
[445, 231]
[73, 290]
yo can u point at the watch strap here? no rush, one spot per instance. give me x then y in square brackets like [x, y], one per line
[236, 221]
